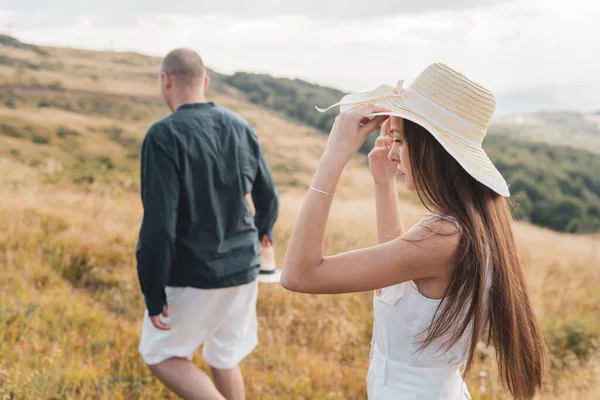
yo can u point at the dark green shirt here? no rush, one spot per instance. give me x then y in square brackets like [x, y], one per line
[198, 165]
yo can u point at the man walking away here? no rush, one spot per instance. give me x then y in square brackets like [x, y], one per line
[198, 253]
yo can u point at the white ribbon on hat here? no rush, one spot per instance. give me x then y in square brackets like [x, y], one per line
[415, 102]
[352, 100]
[443, 118]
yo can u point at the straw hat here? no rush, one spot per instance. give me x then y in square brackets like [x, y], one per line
[454, 109]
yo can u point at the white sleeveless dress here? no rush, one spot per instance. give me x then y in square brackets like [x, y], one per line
[398, 369]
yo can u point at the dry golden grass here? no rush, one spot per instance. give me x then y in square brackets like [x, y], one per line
[70, 304]
[117, 73]
[71, 298]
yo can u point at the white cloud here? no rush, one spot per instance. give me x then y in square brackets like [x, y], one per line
[504, 46]
[116, 12]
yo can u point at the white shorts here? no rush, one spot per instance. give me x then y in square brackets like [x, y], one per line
[223, 320]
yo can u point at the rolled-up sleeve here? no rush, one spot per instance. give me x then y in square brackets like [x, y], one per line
[160, 195]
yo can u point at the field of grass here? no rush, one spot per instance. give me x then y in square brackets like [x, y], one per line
[70, 304]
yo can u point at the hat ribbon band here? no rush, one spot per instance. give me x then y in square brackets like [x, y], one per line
[413, 101]
[451, 123]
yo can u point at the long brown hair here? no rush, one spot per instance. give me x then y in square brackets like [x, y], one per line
[486, 246]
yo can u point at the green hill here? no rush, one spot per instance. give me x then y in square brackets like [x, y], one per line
[553, 186]
[294, 98]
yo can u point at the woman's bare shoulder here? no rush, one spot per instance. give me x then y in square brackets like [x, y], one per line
[435, 241]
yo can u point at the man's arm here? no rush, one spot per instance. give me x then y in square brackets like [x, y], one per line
[160, 196]
[265, 197]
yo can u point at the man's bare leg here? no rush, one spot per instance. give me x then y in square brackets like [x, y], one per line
[230, 383]
[186, 380]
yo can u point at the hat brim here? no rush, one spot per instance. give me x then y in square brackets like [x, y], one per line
[473, 159]
[274, 277]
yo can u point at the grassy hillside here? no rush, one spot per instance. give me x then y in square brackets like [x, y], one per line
[123, 86]
[70, 305]
[294, 98]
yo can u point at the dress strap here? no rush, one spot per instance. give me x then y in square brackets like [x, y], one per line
[448, 218]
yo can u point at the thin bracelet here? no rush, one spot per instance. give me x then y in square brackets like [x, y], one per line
[320, 191]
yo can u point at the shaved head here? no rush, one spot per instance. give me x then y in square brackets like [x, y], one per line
[185, 66]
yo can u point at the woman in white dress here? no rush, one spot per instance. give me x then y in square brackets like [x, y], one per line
[454, 274]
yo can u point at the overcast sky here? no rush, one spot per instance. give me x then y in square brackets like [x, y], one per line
[353, 45]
